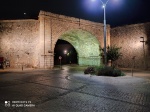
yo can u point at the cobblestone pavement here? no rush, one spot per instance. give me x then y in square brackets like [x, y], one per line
[69, 90]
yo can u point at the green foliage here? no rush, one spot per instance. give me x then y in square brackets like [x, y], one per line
[113, 53]
[90, 70]
[109, 71]
[103, 71]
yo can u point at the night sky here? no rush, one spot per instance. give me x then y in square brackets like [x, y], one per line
[119, 12]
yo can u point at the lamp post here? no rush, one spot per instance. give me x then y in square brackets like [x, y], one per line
[60, 61]
[105, 31]
[104, 4]
[65, 52]
[143, 41]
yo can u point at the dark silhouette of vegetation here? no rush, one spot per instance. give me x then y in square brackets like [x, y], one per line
[109, 71]
[113, 53]
[90, 70]
[103, 71]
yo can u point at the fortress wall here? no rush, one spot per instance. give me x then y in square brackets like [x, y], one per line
[19, 42]
[53, 26]
[128, 37]
[61, 24]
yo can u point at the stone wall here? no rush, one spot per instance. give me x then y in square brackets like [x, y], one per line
[32, 42]
[19, 42]
[53, 26]
[128, 37]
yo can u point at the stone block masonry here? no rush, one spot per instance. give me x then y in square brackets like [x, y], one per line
[19, 42]
[54, 26]
[31, 43]
[128, 37]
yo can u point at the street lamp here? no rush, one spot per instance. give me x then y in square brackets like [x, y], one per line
[143, 41]
[105, 30]
[65, 52]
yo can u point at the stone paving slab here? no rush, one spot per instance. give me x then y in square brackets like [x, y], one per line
[78, 102]
[71, 91]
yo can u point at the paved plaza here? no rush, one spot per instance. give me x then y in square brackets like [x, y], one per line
[69, 90]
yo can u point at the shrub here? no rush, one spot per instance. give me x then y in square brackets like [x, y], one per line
[90, 70]
[104, 71]
[113, 53]
[109, 71]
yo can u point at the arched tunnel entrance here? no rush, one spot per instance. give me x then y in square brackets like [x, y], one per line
[85, 44]
[66, 51]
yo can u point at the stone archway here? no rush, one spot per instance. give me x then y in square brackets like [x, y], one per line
[86, 45]
[76, 31]
[66, 51]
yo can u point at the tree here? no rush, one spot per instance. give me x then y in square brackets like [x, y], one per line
[113, 53]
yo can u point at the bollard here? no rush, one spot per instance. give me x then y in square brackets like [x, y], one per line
[22, 67]
[133, 64]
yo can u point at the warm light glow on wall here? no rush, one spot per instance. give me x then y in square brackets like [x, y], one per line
[137, 45]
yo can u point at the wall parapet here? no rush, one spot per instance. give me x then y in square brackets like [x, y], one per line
[131, 25]
[70, 19]
[20, 20]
